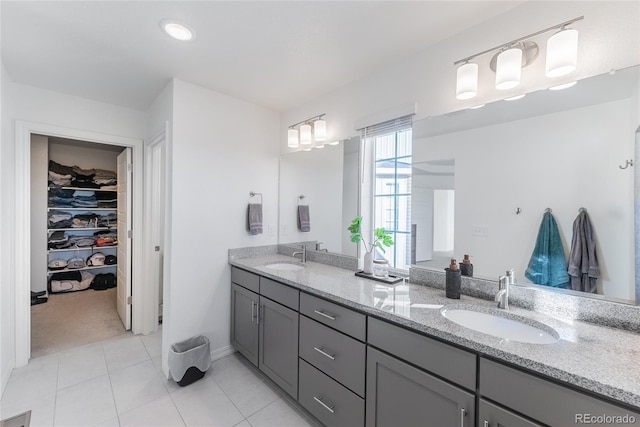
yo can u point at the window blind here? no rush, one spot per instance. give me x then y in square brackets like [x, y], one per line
[388, 127]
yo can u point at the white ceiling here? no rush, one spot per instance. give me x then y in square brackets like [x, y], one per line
[272, 53]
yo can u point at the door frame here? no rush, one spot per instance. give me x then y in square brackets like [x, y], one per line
[22, 210]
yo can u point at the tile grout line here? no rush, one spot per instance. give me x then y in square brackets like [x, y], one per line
[113, 396]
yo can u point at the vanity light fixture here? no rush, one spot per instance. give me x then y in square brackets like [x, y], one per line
[307, 131]
[178, 30]
[292, 138]
[335, 142]
[564, 85]
[511, 57]
[475, 107]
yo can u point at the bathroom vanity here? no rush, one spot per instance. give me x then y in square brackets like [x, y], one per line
[357, 352]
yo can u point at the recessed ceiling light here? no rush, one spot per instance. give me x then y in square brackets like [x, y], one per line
[564, 86]
[178, 30]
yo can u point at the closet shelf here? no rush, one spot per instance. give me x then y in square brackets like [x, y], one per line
[81, 189]
[82, 228]
[84, 248]
[53, 208]
[97, 267]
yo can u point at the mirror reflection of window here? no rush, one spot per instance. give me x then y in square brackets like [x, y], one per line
[392, 193]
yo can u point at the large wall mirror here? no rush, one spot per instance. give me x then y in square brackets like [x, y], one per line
[482, 179]
[327, 181]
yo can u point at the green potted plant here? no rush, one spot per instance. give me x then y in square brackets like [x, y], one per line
[381, 239]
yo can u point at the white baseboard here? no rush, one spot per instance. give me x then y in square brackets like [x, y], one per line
[219, 353]
[5, 377]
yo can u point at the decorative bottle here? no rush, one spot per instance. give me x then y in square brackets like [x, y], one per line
[466, 268]
[453, 281]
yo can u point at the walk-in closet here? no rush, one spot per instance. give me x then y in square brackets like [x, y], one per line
[80, 250]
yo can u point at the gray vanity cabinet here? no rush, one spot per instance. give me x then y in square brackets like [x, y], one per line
[490, 415]
[399, 394]
[545, 401]
[279, 345]
[244, 322]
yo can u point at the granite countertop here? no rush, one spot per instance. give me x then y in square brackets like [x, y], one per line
[600, 359]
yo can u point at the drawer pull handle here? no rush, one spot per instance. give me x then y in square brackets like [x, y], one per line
[324, 353]
[486, 423]
[324, 405]
[463, 414]
[328, 316]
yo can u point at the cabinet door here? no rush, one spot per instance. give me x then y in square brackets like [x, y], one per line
[244, 322]
[279, 345]
[491, 415]
[399, 394]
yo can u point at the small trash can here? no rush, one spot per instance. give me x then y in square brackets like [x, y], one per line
[189, 360]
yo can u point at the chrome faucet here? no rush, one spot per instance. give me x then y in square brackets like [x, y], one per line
[502, 297]
[303, 253]
[318, 247]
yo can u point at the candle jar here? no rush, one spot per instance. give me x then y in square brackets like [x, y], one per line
[381, 268]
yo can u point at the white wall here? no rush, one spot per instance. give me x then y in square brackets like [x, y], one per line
[39, 236]
[609, 36]
[222, 148]
[7, 311]
[31, 104]
[493, 176]
[316, 174]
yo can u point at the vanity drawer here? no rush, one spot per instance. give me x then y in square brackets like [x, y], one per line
[540, 399]
[245, 279]
[327, 400]
[337, 355]
[348, 321]
[283, 294]
[450, 363]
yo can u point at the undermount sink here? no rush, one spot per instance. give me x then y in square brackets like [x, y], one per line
[498, 325]
[285, 266]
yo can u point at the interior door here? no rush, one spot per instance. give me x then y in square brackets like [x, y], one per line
[123, 276]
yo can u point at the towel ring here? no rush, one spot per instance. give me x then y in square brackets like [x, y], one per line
[301, 198]
[254, 194]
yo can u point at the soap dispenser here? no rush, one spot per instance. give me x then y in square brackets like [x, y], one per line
[453, 281]
[466, 268]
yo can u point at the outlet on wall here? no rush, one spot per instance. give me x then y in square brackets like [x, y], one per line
[480, 231]
[284, 230]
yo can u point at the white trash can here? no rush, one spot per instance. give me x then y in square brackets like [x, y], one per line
[189, 360]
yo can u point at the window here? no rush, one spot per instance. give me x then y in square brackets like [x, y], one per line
[392, 145]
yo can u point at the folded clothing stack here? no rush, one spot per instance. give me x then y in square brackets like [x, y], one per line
[62, 219]
[107, 199]
[74, 176]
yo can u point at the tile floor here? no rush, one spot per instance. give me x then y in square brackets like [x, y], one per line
[118, 382]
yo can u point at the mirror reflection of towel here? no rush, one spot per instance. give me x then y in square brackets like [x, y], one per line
[254, 218]
[583, 261]
[304, 224]
[547, 265]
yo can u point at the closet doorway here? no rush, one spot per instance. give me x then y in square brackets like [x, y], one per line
[141, 321]
[80, 285]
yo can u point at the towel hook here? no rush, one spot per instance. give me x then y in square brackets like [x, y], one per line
[301, 198]
[627, 164]
[548, 210]
[518, 211]
[582, 210]
[254, 194]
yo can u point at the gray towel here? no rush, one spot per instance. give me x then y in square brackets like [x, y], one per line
[304, 223]
[254, 218]
[583, 262]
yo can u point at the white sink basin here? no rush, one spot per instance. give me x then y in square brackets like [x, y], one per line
[499, 326]
[284, 266]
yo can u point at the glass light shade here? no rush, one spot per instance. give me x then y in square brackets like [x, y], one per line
[515, 98]
[564, 86]
[509, 69]
[293, 138]
[305, 134]
[562, 53]
[467, 81]
[320, 130]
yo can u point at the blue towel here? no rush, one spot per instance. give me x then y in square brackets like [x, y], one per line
[548, 266]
